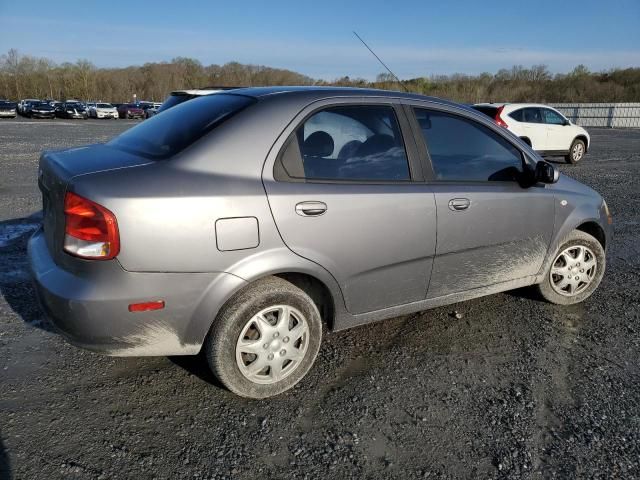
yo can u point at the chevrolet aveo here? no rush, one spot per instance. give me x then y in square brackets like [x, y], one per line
[239, 223]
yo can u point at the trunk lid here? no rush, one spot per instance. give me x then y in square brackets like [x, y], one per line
[55, 172]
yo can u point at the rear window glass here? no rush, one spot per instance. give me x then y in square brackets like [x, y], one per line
[518, 115]
[163, 136]
[173, 100]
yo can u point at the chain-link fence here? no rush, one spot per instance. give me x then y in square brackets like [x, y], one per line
[612, 115]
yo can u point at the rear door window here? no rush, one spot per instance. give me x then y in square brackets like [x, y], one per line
[462, 149]
[349, 143]
[532, 115]
[163, 136]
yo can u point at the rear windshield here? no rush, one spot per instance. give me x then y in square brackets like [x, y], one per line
[163, 136]
[489, 111]
[175, 99]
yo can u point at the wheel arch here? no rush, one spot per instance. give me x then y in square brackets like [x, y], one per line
[584, 138]
[323, 290]
[595, 230]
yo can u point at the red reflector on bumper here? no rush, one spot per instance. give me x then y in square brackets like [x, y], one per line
[146, 306]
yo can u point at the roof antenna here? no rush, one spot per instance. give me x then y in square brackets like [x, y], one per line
[383, 64]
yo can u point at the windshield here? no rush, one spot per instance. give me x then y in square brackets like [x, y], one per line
[104, 105]
[163, 136]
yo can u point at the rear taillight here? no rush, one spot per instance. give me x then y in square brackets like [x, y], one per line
[498, 118]
[91, 231]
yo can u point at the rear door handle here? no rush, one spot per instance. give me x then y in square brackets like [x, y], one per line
[459, 204]
[311, 209]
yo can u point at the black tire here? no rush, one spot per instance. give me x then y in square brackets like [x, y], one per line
[575, 238]
[220, 345]
[577, 151]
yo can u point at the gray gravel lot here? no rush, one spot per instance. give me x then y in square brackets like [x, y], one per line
[516, 388]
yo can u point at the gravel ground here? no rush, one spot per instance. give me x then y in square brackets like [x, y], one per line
[515, 388]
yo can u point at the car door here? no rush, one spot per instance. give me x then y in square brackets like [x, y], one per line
[559, 136]
[490, 229]
[348, 194]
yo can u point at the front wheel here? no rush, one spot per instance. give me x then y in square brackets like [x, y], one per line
[575, 271]
[576, 152]
[265, 339]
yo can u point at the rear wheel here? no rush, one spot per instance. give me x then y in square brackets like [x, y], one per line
[575, 271]
[265, 339]
[576, 152]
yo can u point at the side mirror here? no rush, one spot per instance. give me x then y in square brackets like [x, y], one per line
[546, 173]
[566, 122]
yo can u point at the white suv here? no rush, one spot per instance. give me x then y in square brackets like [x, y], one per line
[544, 128]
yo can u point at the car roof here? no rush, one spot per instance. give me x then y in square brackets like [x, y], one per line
[317, 92]
[512, 105]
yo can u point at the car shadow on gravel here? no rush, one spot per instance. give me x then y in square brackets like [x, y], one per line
[15, 281]
[5, 466]
[197, 365]
[529, 293]
[17, 289]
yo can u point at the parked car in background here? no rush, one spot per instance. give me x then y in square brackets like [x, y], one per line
[72, 109]
[8, 109]
[150, 109]
[179, 96]
[307, 217]
[544, 128]
[41, 110]
[130, 110]
[24, 104]
[103, 110]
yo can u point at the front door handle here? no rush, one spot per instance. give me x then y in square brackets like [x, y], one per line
[311, 209]
[459, 204]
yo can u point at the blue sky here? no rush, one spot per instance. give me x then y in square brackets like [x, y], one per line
[415, 38]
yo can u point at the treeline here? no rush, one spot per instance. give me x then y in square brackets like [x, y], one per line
[25, 76]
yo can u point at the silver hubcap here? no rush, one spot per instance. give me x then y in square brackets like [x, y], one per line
[573, 270]
[272, 344]
[578, 151]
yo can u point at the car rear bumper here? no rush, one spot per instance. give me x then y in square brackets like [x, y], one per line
[90, 306]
